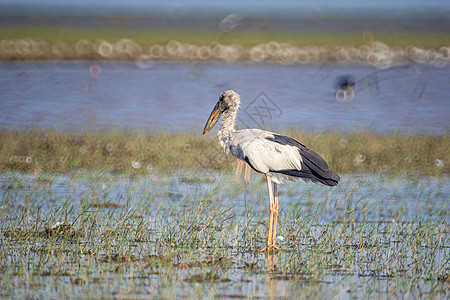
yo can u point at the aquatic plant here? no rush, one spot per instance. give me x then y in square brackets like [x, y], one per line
[188, 234]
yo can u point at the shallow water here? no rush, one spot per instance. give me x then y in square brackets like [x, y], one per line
[385, 197]
[384, 206]
[178, 96]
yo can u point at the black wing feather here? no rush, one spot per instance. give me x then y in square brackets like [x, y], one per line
[314, 167]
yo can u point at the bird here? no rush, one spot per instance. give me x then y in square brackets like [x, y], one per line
[344, 86]
[277, 157]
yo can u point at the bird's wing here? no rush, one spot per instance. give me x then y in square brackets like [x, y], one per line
[263, 154]
[311, 161]
[270, 152]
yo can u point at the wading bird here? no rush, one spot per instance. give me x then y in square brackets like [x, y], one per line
[344, 86]
[276, 156]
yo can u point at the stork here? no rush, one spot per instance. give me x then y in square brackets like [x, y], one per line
[276, 156]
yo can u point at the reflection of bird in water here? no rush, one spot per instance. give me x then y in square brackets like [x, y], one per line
[344, 85]
[276, 156]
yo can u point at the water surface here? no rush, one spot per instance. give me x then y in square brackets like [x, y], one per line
[178, 96]
[355, 229]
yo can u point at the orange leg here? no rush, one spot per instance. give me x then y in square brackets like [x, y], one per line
[275, 214]
[271, 237]
[247, 173]
[240, 163]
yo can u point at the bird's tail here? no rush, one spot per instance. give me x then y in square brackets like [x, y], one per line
[315, 168]
[331, 178]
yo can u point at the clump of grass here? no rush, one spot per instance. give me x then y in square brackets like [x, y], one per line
[132, 152]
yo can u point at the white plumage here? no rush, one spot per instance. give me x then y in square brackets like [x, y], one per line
[263, 155]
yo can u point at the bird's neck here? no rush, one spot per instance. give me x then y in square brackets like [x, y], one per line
[228, 125]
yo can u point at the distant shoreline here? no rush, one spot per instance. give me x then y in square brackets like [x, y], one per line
[125, 43]
[423, 23]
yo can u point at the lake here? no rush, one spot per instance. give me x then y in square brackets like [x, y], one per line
[178, 96]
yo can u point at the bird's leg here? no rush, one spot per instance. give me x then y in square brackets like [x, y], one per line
[247, 173]
[275, 214]
[269, 188]
[239, 168]
[270, 239]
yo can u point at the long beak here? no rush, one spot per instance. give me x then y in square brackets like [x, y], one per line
[213, 118]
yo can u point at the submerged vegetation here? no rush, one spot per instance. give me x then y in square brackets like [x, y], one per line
[133, 152]
[198, 235]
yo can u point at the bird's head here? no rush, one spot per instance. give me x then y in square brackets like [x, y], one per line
[228, 99]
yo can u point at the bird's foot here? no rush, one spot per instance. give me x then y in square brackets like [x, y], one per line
[270, 248]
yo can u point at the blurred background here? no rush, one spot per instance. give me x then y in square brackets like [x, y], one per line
[160, 65]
